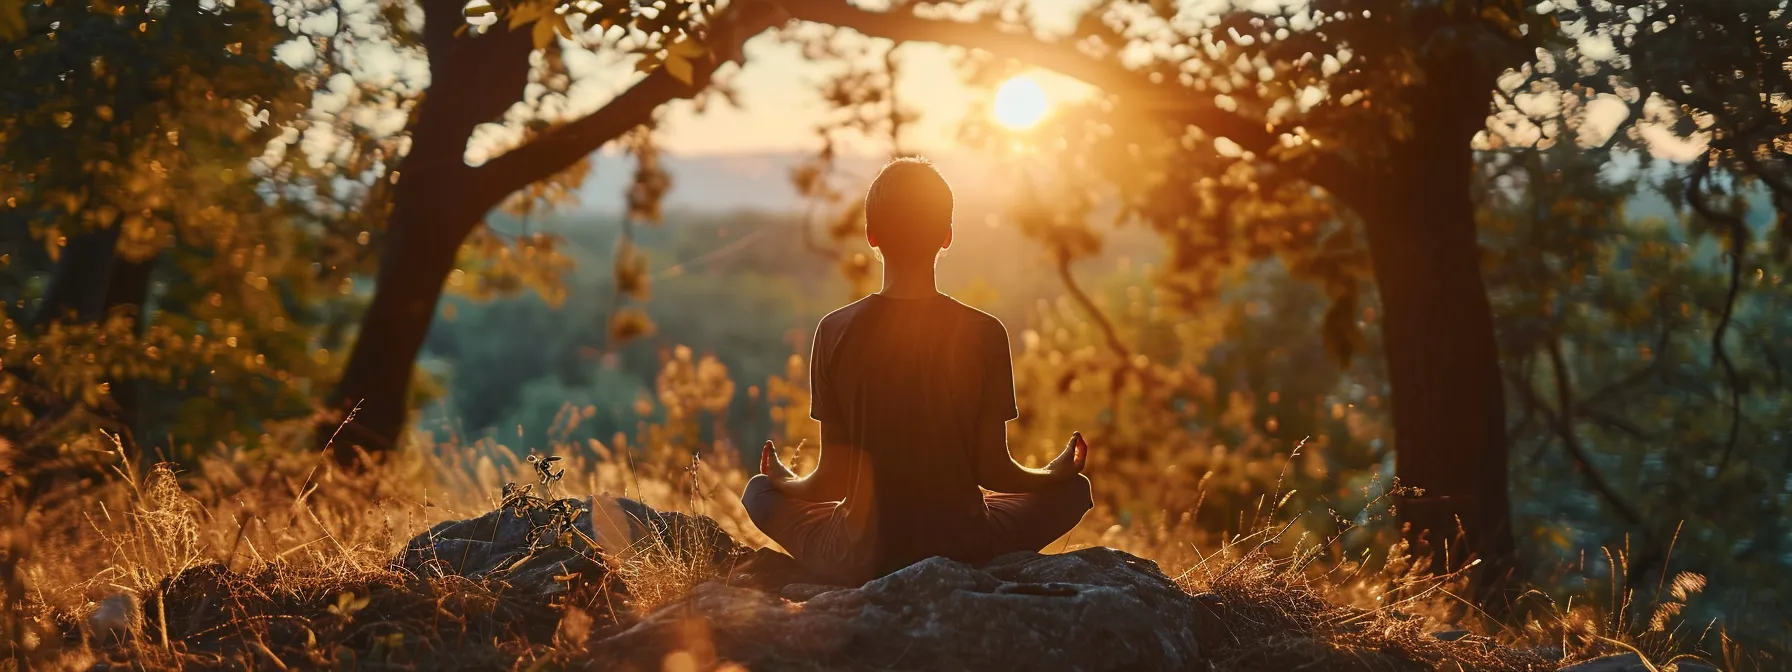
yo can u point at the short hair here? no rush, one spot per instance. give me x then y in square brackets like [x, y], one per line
[909, 208]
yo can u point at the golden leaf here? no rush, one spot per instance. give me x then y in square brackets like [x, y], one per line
[687, 49]
[543, 33]
[523, 14]
[680, 68]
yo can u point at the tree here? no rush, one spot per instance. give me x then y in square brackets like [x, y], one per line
[437, 200]
[125, 158]
[1364, 110]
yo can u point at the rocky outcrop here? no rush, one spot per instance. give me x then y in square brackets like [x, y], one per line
[1631, 662]
[1090, 609]
[623, 587]
[1093, 609]
[542, 547]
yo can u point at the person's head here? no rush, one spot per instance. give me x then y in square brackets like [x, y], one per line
[908, 212]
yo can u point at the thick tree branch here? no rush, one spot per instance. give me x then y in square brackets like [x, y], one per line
[554, 150]
[1167, 100]
[1697, 198]
[1562, 422]
[1093, 311]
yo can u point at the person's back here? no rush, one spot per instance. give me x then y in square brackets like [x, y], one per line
[913, 390]
[908, 381]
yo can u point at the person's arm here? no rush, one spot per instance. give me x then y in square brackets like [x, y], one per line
[997, 470]
[833, 473]
[829, 482]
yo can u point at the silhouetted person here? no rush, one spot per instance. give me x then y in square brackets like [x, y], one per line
[913, 391]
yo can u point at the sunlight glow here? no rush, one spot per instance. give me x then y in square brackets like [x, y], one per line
[1020, 104]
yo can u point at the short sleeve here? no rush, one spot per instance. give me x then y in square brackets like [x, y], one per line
[998, 376]
[822, 400]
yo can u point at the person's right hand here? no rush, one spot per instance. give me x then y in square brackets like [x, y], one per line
[772, 467]
[1073, 459]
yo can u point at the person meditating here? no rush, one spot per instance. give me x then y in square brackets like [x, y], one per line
[913, 391]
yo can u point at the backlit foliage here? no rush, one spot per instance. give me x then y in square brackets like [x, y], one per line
[319, 551]
[142, 252]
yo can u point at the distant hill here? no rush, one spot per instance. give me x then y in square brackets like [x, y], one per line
[711, 183]
[761, 181]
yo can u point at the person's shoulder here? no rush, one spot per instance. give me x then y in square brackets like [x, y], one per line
[844, 314]
[977, 318]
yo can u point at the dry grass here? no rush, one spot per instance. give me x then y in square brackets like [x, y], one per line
[282, 560]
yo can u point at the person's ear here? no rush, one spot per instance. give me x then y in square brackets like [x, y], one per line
[948, 243]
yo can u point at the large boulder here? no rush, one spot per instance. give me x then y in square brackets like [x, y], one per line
[1093, 609]
[1631, 662]
[540, 547]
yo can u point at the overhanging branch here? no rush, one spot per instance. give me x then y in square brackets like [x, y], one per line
[1168, 100]
[1171, 102]
[554, 150]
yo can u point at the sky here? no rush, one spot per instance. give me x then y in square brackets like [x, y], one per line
[780, 105]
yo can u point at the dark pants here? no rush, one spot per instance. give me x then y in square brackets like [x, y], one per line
[816, 533]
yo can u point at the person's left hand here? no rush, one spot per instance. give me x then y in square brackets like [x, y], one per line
[1073, 459]
[772, 467]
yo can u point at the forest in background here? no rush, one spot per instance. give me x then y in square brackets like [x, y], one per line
[1267, 384]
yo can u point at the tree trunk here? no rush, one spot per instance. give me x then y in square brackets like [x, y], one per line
[129, 286]
[89, 281]
[80, 280]
[436, 202]
[426, 228]
[1438, 333]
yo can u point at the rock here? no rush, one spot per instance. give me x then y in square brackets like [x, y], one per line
[1689, 665]
[770, 571]
[1211, 622]
[1622, 662]
[541, 548]
[1631, 662]
[803, 592]
[1093, 609]
[528, 548]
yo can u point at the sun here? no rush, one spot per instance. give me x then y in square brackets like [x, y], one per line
[1020, 104]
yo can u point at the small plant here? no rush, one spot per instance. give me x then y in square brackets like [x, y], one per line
[559, 528]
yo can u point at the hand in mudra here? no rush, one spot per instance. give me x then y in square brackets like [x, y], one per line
[772, 467]
[1071, 461]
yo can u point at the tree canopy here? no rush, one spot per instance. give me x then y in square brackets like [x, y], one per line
[1547, 236]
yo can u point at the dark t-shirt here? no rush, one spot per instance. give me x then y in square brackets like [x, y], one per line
[909, 381]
